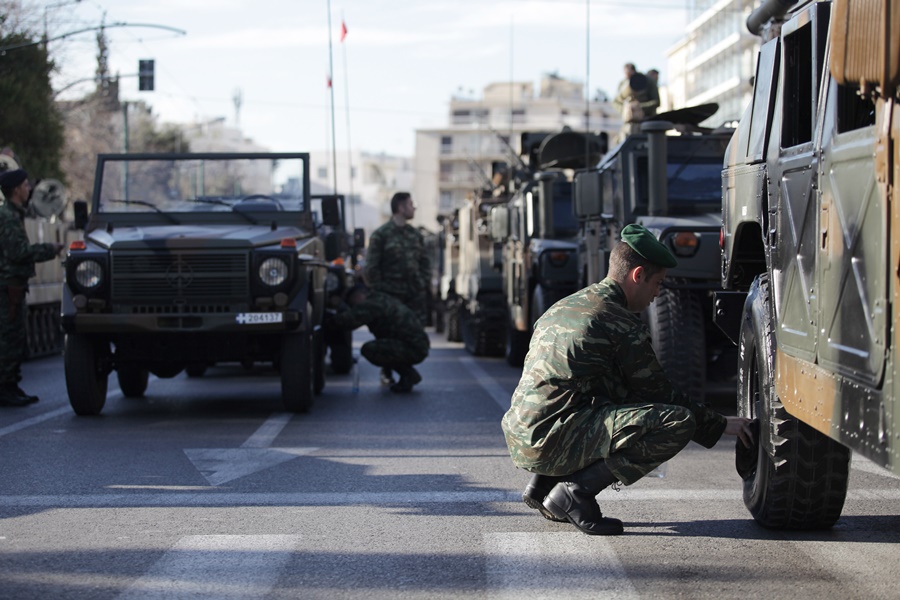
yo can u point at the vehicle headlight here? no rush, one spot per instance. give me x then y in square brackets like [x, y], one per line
[88, 274]
[273, 271]
[332, 282]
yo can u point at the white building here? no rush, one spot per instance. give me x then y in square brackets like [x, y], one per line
[716, 60]
[454, 161]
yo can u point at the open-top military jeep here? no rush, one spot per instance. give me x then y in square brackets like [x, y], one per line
[190, 260]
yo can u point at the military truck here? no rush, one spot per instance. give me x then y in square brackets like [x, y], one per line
[810, 255]
[480, 303]
[536, 231]
[668, 179]
[195, 259]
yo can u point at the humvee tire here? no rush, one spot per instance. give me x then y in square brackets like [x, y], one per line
[133, 380]
[676, 324]
[298, 372]
[86, 377]
[454, 328]
[800, 477]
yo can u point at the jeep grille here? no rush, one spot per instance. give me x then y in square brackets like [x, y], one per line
[185, 278]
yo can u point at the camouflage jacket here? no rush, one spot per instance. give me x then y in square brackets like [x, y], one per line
[386, 317]
[589, 354]
[17, 255]
[396, 261]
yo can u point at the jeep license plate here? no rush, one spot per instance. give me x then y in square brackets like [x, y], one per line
[256, 318]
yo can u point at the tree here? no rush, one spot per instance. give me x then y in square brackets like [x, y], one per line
[30, 122]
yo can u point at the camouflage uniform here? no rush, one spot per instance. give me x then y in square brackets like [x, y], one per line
[592, 389]
[399, 338]
[17, 258]
[397, 264]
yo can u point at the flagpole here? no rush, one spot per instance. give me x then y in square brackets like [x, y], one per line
[347, 108]
[331, 89]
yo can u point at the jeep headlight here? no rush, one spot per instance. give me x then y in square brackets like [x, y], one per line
[273, 272]
[89, 274]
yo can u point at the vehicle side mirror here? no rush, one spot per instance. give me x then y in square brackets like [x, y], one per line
[80, 211]
[588, 194]
[499, 223]
[331, 212]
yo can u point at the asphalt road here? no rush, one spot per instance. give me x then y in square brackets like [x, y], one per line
[206, 489]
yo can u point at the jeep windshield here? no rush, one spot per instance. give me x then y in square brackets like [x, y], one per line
[183, 185]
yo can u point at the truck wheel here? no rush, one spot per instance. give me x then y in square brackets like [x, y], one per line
[194, 370]
[319, 350]
[298, 372]
[341, 345]
[516, 346]
[799, 479]
[133, 380]
[675, 320]
[439, 318]
[86, 374]
[454, 331]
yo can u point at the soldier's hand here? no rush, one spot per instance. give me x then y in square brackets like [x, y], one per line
[740, 427]
[58, 248]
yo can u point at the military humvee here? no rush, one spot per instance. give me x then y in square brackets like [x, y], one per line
[668, 179]
[810, 250]
[193, 259]
[536, 231]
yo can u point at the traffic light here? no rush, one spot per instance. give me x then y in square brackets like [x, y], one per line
[145, 75]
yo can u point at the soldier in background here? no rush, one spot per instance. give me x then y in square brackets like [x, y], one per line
[397, 263]
[400, 341]
[17, 259]
[593, 407]
[637, 100]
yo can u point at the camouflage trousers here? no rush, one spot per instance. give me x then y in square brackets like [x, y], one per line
[415, 301]
[392, 353]
[13, 343]
[643, 436]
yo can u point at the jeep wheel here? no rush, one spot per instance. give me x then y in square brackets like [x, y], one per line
[194, 370]
[799, 478]
[454, 327]
[341, 345]
[87, 374]
[675, 320]
[319, 350]
[297, 372]
[132, 380]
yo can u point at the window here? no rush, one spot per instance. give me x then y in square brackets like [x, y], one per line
[446, 144]
[798, 109]
[322, 172]
[853, 111]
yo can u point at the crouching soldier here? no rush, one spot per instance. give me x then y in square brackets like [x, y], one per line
[400, 339]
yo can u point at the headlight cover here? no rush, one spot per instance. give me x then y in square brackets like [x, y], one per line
[273, 272]
[89, 274]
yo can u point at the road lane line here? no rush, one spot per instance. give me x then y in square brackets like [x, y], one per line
[214, 497]
[500, 396]
[33, 421]
[541, 565]
[268, 431]
[216, 566]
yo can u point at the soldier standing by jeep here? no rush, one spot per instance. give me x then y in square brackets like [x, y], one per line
[17, 258]
[397, 263]
[593, 407]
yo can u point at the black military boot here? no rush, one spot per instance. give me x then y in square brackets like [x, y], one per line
[573, 499]
[535, 492]
[387, 376]
[408, 378]
[31, 399]
[9, 396]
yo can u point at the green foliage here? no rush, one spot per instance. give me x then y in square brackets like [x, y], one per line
[29, 121]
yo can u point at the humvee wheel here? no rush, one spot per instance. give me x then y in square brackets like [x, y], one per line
[341, 345]
[196, 370]
[799, 477]
[454, 327]
[133, 380]
[319, 350]
[676, 324]
[298, 372]
[86, 375]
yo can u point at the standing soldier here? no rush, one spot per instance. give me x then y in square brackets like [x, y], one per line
[397, 262]
[593, 407]
[400, 341]
[17, 258]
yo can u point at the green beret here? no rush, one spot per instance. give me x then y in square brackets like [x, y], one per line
[645, 243]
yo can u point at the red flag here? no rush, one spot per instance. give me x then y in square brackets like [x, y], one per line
[328, 80]
[343, 30]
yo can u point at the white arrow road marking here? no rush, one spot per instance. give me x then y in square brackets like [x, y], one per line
[539, 565]
[216, 566]
[221, 465]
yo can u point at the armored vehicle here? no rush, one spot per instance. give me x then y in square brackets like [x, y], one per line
[480, 303]
[668, 179]
[536, 230]
[190, 260]
[810, 254]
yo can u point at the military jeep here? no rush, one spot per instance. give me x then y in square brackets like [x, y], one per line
[190, 260]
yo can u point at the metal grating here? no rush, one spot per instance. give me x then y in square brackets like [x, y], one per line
[185, 277]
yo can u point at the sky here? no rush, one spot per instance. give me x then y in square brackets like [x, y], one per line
[396, 71]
